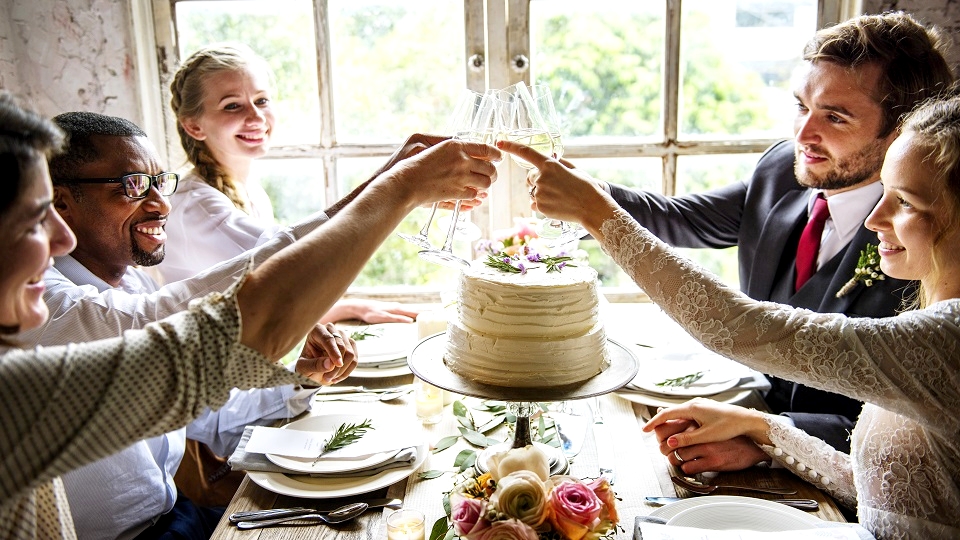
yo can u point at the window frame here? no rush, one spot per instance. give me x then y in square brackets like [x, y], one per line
[496, 33]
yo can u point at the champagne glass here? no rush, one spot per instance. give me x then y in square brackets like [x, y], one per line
[526, 125]
[474, 120]
[555, 232]
[463, 115]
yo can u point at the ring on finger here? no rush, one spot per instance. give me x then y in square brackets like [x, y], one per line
[676, 454]
[338, 337]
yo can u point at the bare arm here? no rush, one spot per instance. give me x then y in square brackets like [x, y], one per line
[283, 298]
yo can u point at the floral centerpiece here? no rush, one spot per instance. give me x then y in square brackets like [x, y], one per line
[518, 500]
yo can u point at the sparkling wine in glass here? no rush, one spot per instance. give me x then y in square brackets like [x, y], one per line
[473, 120]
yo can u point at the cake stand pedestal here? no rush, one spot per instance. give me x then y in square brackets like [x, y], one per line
[426, 362]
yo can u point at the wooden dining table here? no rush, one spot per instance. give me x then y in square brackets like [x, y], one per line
[640, 469]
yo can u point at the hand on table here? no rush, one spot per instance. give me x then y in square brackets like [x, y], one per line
[370, 311]
[733, 454]
[328, 356]
[701, 422]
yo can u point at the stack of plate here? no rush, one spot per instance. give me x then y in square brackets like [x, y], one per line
[722, 380]
[347, 473]
[382, 349]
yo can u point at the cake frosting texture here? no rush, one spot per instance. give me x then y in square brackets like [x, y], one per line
[536, 329]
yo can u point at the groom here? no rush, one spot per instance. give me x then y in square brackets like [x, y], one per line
[848, 103]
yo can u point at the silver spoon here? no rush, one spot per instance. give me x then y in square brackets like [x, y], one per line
[703, 489]
[340, 515]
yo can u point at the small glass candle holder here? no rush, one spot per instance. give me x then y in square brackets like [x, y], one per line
[429, 401]
[406, 525]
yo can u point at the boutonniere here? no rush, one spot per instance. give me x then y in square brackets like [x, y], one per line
[867, 271]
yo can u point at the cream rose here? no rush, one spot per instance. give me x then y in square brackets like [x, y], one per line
[522, 495]
[529, 458]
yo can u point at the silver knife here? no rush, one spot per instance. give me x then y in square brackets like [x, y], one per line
[604, 442]
[256, 515]
[809, 505]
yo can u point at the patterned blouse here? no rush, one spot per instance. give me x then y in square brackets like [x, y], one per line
[903, 472]
[67, 406]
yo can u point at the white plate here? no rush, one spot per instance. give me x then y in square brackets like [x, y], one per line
[328, 488]
[702, 388]
[390, 341]
[380, 373]
[327, 423]
[669, 511]
[719, 373]
[726, 516]
[731, 396]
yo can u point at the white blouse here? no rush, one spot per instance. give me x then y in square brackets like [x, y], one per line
[204, 227]
[903, 472]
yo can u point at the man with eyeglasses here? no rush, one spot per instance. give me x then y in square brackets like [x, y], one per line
[112, 190]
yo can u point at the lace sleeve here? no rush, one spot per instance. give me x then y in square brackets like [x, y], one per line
[811, 459]
[902, 364]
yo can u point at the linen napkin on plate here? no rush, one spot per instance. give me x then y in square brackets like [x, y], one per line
[645, 529]
[242, 460]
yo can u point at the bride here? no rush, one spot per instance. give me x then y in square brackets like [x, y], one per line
[903, 472]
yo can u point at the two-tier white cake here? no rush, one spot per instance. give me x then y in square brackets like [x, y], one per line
[536, 329]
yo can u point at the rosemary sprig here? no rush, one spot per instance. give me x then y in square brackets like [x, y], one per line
[556, 264]
[503, 263]
[345, 435]
[683, 381]
[362, 334]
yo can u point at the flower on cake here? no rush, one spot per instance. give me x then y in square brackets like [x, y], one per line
[518, 500]
[519, 248]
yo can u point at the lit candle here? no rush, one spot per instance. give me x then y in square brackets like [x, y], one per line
[429, 401]
[406, 525]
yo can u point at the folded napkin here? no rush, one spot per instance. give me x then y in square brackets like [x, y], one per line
[645, 528]
[241, 460]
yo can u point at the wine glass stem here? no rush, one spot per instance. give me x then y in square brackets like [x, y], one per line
[426, 227]
[448, 244]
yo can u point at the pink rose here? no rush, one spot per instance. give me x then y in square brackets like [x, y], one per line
[575, 509]
[607, 497]
[508, 529]
[467, 516]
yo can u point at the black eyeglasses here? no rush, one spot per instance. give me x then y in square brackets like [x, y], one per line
[137, 185]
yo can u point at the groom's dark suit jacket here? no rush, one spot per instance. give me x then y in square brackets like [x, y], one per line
[765, 217]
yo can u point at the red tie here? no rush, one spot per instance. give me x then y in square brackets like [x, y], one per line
[809, 246]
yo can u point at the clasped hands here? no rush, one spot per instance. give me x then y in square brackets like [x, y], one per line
[328, 356]
[703, 435]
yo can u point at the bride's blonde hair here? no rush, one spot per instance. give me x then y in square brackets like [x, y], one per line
[935, 127]
[187, 90]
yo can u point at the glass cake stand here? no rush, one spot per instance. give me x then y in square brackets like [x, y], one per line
[426, 362]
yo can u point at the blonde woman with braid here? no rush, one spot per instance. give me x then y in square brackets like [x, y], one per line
[222, 98]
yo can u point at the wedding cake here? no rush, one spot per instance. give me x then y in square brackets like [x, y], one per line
[535, 329]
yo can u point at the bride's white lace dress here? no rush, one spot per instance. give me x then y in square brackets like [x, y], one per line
[903, 473]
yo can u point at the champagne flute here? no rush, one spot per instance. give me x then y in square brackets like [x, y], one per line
[555, 232]
[526, 125]
[473, 121]
[463, 115]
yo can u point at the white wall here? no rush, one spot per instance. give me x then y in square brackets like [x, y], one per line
[70, 55]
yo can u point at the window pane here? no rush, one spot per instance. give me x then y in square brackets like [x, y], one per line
[282, 32]
[397, 66]
[396, 261]
[642, 173]
[603, 63]
[701, 173]
[737, 57]
[295, 187]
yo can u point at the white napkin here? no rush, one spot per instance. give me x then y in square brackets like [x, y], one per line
[307, 444]
[241, 460]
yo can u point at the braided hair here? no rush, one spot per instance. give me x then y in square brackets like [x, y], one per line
[187, 91]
